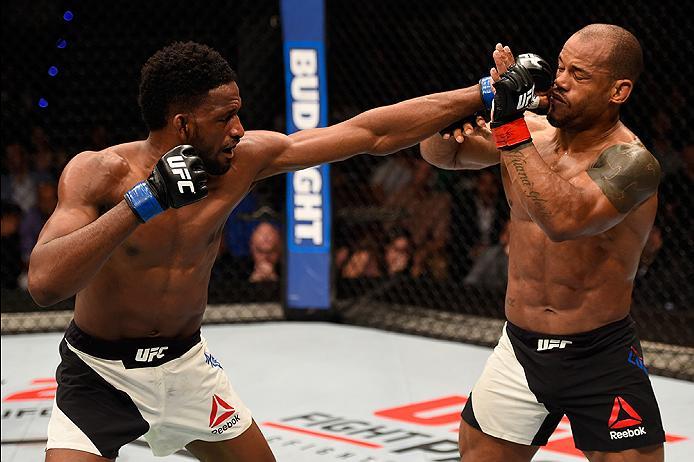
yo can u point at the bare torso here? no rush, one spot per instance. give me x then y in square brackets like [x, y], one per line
[155, 283]
[575, 285]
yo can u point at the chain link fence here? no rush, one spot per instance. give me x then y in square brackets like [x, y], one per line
[422, 250]
[416, 249]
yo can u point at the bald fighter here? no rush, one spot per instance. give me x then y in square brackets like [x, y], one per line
[135, 235]
[582, 191]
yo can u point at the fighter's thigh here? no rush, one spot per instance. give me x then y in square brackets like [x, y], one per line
[250, 446]
[476, 446]
[654, 453]
[72, 455]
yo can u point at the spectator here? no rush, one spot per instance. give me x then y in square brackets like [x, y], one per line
[488, 218]
[675, 192]
[480, 215]
[42, 156]
[360, 262]
[490, 270]
[391, 177]
[19, 183]
[239, 228]
[10, 257]
[266, 252]
[36, 217]
[662, 141]
[397, 255]
[427, 220]
[676, 222]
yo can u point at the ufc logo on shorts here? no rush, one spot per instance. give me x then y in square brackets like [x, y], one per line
[178, 167]
[146, 355]
[526, 98]
[549, 343]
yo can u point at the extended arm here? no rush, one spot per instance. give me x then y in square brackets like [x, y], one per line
[624, 176]
[76, 241]
[380, 131]
[473, 149]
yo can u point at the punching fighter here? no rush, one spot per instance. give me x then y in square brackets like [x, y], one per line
[135, 235]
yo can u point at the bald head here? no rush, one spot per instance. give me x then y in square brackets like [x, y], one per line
[625, 58]
[265, 235]
[265, 243]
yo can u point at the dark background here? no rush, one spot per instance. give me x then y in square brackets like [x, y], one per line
[379, 52]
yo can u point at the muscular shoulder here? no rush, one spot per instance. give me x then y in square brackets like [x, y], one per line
[109, 161]
[258, 148]
[263, 142]
[93, 174]
[627, 173]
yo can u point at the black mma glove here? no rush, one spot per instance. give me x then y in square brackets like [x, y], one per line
[539, 69]
[178, 179]
[515, 90]
[542, 75]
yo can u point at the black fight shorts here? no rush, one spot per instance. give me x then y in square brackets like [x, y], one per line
[597, 379]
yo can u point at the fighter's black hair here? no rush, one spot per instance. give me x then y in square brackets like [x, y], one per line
[177, 77]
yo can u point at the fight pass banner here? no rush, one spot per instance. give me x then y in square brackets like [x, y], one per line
[308, 281]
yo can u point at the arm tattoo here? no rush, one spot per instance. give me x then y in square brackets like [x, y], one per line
[627, 174]
[517, 162]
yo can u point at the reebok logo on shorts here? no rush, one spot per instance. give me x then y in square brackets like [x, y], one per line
[623, 415]
[549, 343]
[221, 411]
[628, 433]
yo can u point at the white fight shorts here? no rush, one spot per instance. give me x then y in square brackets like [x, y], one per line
[171, 391]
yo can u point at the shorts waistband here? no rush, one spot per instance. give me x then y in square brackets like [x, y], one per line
[134, 352]
[531, 338]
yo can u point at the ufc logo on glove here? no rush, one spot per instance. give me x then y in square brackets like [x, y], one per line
[526, 98]
[178, 167]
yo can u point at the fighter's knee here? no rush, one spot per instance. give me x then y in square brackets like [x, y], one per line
[466, 443]
[654, 453]
[472, 454]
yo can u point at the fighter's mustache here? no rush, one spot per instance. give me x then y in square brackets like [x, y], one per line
[556, 95]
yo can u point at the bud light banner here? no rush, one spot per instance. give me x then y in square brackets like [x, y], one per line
[308, 281]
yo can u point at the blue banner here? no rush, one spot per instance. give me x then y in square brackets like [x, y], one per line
[308, 282]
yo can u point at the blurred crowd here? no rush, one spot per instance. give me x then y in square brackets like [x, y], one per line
[399, 217]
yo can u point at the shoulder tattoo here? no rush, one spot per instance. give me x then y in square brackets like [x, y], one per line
[627, 174]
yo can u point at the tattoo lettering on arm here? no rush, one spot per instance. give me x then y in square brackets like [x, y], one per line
[627, 174]
[517, 162]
